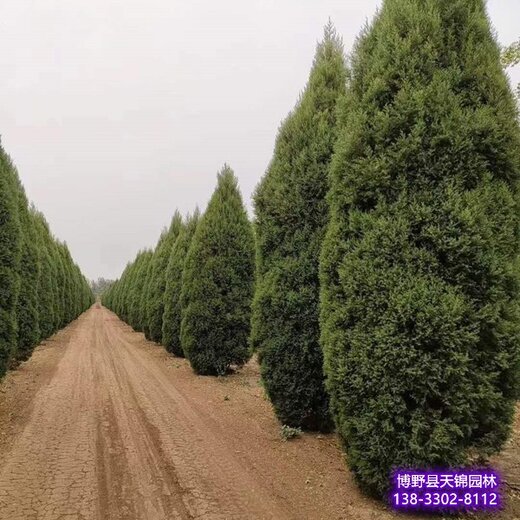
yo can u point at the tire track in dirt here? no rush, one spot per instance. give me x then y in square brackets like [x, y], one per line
[136, 442]
[50, 469]
[213, 484]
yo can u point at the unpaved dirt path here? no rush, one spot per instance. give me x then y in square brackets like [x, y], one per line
[101, 424]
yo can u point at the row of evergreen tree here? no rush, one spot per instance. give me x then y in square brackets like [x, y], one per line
[41, 288]
[387, 244]
[193, 292]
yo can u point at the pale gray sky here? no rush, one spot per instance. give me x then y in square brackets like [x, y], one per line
[116, 112]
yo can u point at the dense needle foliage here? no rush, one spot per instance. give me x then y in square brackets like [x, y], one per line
[157, 283]
[291, 214]
[135, 314]
[172, 295]
[419, 284]
[217, 283]
[29, 272]
[41, 289]
[143, 303]
[10, 244]
[47, 289]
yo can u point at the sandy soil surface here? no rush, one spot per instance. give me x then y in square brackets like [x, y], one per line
[101, 424]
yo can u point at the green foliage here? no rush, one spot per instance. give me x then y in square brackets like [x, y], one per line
[100, 285]
[9, 260]
[41, 289]
[419, 284]
[59, 304]
[29, 273]
[217, 283]
[511, 55]
[145, 297]
[126, 294]
[135, 318]
[288, 432]
[510, 58]
[47, 289]
[68, 284]
[291, 214]
[157, 284]
[172, 296]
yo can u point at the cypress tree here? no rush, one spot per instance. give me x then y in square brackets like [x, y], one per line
[59, 306]
[217, 283]
[56, 288]
[77, 286]
[157, 284]
[117, 292]
[126, 284]
[68, 294]
[46, 290]
[291, 215]
[172, 296]
[29, 272]
[141, 316]
[145, 297]
[84, 295]
[9, 260]
[137, 288]
[419, 286]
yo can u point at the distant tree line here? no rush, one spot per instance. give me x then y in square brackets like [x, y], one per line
[379, 281]
[100, 285]
[41, 288]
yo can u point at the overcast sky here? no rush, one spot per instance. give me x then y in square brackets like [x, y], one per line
[116, 112]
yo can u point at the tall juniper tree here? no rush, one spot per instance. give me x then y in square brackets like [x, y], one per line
[41, 289]
[29, 270]
[134, 312]
[172, 296]
[9, 260]
[143, 303]
[67, 295]
[291, 214]
[419, 285]
[157, 282]
[217, 283]
[46, 288]
[126, 293]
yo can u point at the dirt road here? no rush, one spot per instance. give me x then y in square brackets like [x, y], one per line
[101, 424]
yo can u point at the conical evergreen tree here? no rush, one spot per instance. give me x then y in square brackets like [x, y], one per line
[157, 284]
[140, 311]
[59, 307]
[46, 289]
[126, 284]
[77, 284]
[217, 283]
[134, 314]
[145, 296]
[29, 272]
[56, 280]
[419, 285]
[9, 260]
[291, 214]
[68, 294]
[172, 296]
